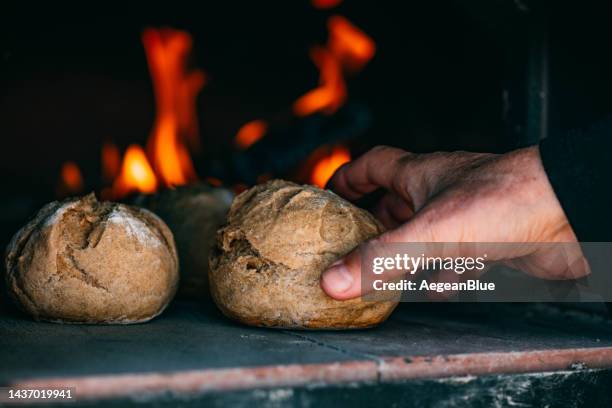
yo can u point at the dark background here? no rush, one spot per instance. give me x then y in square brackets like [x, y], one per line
[447, 75]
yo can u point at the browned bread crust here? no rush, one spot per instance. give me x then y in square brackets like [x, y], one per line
[84, 261]
[269, 258]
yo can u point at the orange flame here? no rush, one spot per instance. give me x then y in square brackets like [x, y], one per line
[175, 128]
[352, 46]
[136, 174]
[176, 89]
[347, 48]
[331, 92]
[325, 4]
[71, 179]
[250, 133]
[111, 161]
[324, 169]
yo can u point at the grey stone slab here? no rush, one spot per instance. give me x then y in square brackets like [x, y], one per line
[186, 336]
[191, 336]
[442, 329]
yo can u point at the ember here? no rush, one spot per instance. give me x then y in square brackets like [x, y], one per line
[71, 179]
[325, 4]
[111, 161]
[250, 133]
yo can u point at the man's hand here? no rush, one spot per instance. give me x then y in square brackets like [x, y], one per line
[458, 197]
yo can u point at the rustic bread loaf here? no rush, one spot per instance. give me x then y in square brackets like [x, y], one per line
[279, 238]
[84, 261]
[193, 214]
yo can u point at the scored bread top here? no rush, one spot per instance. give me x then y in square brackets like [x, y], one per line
[298, 226]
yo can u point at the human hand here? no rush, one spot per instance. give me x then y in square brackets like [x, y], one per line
[459, 197]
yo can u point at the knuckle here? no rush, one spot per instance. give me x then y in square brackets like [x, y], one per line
[379, 148]
[407, 158]
[386, 150]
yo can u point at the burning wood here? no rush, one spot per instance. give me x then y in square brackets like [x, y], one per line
[348, 49]
[174, 135]
[287, 143]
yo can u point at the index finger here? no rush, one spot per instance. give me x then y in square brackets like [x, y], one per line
[375, 169]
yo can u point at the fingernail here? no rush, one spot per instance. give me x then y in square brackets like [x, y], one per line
[338, 278]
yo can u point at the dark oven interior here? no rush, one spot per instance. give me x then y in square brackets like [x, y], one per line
[478, 75]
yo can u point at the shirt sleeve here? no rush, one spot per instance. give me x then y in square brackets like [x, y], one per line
[579, 167]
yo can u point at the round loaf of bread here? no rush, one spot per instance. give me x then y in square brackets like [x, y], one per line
[280, 237]
[84, 261]
[194, 214]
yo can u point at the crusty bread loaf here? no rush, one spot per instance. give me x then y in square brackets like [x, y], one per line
[279, 238]
[194, 214]
[84, 261]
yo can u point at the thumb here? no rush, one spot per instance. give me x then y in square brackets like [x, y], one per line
[343, 279]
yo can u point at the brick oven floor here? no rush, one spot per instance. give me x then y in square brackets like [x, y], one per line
[426, 354]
